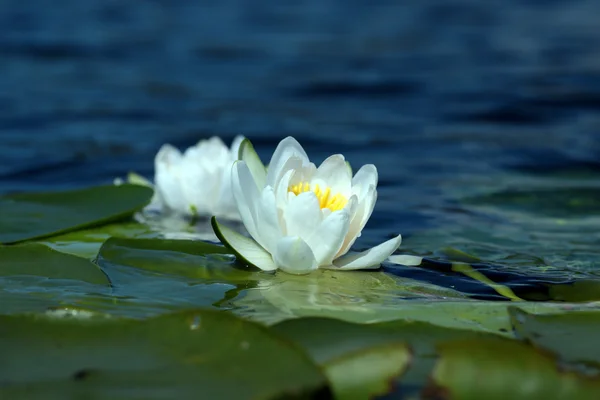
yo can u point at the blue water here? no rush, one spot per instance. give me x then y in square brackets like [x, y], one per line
[453, 101]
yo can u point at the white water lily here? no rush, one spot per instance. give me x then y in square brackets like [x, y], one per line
[301, 217]
[196, 182]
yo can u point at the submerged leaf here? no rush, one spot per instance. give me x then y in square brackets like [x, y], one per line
[187, 258]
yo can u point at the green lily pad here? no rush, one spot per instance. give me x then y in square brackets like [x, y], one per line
[327, 339]
[28, 216]
[367, 373]
[13, 301]
[187, 258]
[370, 297]
[572, 335]
[87, 242]
[364, 360]
[496, 368]
[39, 260]
[192, 354]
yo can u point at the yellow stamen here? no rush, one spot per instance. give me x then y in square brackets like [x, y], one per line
[334, 203]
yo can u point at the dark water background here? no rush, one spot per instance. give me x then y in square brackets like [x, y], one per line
[482, 117]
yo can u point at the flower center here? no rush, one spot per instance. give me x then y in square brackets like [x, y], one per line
[326, 200]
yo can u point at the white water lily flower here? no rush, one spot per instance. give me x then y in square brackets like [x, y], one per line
[195, 183]
[302, 217]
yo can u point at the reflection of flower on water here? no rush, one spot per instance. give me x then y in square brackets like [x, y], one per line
[195, 183]
[302, 217]
[311, 296]
[350, 295]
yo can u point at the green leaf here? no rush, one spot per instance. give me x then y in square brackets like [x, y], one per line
[495, 368]
[364, 360]
[136, 179]
[369, 297]
[364, 374]
[573, 335]
[35, 215]
[187, 258]
[246, 250]
[247, 154]
[87, 242]
[192, 354]
[361, 361]
[39, 260]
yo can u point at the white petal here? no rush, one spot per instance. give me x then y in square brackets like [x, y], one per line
[333, 173]
[246, 196]
[294, 256]
[369, 259]
[156, 203]
[211, 155]
[367, 175]
[167, 177]
[247, 154]
[291, 164]
[405, 259]
[364, 185]
[199, 186]
[225, 205]
[268, 227]
[168, 154]
[282, 189]
[245, 249]
[359, 219]
[302, 216]
[287, 148]
[326, 241]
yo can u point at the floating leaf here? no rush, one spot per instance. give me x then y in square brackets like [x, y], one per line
[572, 335]
[35, 215]
[496, 368]
[187, 258]
[363, 360]
[363, 374]
[87, 242]
[193, 354]
[39, 260]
